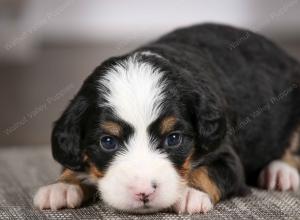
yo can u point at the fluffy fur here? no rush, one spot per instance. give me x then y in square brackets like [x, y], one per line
[232, 110]
[135, 92]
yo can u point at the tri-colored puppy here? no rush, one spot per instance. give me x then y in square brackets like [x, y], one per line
[182, 122]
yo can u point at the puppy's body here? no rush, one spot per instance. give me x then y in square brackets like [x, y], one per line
[182, 122]
[256, 84]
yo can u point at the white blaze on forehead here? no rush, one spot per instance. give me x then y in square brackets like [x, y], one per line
[134, 91]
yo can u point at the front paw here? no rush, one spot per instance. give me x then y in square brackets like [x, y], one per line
[193, 201]
[57, 196]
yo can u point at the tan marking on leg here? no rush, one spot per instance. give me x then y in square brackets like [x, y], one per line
[290, 156]
[71, 177]
[291, 159]
[167, 124]
[94, 172]
[200, 179]
[185, 168]
[295, 140]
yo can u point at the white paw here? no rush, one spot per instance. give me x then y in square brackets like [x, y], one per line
[193, 201]
[57, 196]
[280, 176]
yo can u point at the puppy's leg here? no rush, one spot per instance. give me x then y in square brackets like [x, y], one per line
[68, 192]
[282, 174]
[207, 184]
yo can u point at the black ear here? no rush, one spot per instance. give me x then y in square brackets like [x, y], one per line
[210, 120]
[67, 134]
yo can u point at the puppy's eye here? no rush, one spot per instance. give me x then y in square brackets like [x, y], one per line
[173, 140]
[109, 143]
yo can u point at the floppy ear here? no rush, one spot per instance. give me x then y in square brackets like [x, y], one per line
[210, 120]
[67, 134]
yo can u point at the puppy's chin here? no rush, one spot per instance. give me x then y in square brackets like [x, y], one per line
[128, 177]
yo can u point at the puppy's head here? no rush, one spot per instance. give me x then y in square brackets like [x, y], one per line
[134, 126]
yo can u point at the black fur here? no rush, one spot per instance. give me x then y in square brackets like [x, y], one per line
[226, 99]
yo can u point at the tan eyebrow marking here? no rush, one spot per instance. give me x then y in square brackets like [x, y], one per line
[112, 128]
[167, 124]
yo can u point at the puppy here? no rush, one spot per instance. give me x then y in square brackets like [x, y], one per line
[183, 122]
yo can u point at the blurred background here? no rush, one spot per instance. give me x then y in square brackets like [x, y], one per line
[48, 47]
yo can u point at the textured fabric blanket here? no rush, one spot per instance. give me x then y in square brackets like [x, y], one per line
[24, 169]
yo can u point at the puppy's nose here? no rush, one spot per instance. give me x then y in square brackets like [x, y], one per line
[144, 192]
[143, 197]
